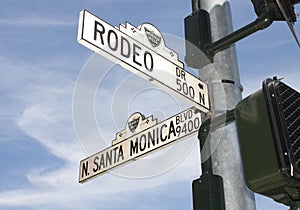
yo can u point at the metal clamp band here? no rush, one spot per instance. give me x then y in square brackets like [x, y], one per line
[227, 81]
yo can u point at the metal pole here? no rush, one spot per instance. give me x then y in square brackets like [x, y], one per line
[225, 91]
[195, 5]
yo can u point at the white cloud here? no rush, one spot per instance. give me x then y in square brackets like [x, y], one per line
[31, 21]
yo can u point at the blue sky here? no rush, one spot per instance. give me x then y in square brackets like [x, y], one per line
[40, 62]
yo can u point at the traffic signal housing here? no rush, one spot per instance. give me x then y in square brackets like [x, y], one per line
[268, 124]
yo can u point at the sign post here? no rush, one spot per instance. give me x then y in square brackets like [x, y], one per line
[226, 160]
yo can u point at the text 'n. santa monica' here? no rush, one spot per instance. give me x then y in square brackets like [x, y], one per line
[140, 144]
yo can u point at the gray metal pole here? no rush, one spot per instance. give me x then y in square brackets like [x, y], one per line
[225, 91]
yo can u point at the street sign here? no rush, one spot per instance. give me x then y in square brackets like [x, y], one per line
[142, 51]
[140, 137]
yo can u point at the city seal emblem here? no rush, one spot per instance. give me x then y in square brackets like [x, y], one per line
[133, 123]
[153, 38]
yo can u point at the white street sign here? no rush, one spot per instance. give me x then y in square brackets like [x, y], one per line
[142, 51]
[141, 136]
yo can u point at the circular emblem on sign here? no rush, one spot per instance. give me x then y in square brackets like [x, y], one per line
[153, 35]
[134, 120]
[153, 38]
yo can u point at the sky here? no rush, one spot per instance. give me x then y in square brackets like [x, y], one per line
[42, 65]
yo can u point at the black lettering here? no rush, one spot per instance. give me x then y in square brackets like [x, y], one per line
[183, 75]
[197, 123]
[171, 130]
[178, 130]
[108, 157]
[190, 125]
[184, 128]
[178, 72]
[143, 142]
[201, 98]
[190, 114]
[151, 61]
[177, 120]
[96, 164]
[96, 31]
[85, 166]
[115, 41]
[161, 128]
[178, 82]
[115, 154]
[134, 148]
[102, 163]
[185, 88]
[123, 41]
[151, 138]
[121, 154]
[192, 92]
[135, 54]
[185, 115]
